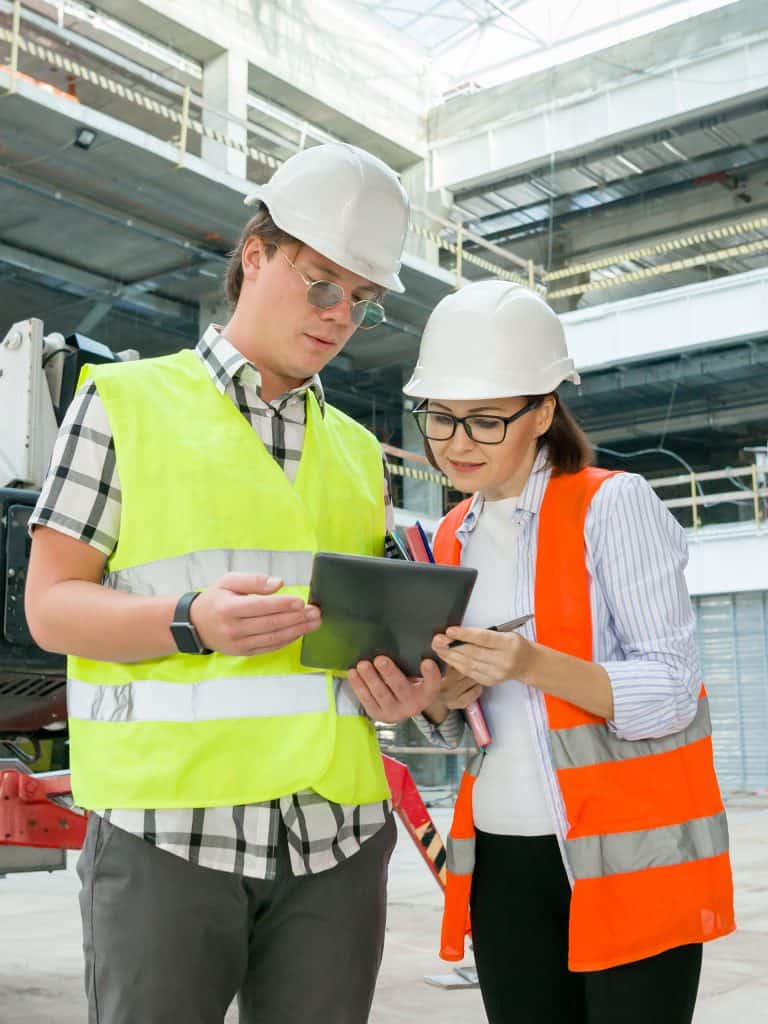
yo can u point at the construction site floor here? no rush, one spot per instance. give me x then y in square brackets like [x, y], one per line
[40, 959]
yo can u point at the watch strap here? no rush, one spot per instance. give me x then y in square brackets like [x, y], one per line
[182, 629]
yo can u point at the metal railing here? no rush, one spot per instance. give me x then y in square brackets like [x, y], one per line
[751, 495]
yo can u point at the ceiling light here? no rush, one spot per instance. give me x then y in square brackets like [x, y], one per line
[628, 163]
[85, 138]
[543, 188]
[674, 150]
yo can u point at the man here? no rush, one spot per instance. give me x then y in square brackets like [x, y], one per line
[240, 828]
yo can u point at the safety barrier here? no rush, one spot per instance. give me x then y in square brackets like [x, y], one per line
[754, 493]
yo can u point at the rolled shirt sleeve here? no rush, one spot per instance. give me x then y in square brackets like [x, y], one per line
[447, 735]
[81, 494]
[638, 553]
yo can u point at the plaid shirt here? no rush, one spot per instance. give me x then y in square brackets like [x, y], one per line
[81, 497]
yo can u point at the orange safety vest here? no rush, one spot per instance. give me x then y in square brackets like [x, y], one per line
[647, 838]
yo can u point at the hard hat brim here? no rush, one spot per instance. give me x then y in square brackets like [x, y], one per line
[425, 385]
[390, 282]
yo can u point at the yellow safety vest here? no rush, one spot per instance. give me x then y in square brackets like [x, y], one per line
[201, 496]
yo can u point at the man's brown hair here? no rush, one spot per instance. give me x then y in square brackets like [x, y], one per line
[262, 226]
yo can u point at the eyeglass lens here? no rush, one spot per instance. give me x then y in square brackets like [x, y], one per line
[436, 426]
[365, 314]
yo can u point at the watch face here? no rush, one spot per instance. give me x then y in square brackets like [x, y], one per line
[186, 638]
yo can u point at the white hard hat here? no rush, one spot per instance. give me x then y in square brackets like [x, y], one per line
[491, 339]
[346, 204]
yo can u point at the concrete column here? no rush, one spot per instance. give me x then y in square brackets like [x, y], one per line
[225, 88]
[414, 182]
[420, 496]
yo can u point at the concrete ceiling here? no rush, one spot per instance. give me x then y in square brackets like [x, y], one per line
[115, 239]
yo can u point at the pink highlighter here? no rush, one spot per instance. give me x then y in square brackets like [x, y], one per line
[473, 712]
[477, 723]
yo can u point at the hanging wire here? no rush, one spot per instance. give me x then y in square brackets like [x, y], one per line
[653, 451]
[670, 404]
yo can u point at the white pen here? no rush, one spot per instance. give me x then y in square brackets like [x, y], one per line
[503, 627]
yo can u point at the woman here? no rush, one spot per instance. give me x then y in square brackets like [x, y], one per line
[601, 848]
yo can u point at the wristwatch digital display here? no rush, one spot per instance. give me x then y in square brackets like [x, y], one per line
[182, 630]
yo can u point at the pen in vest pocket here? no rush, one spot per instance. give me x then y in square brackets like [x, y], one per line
[421, 551]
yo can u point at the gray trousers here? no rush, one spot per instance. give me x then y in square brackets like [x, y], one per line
[168, 942]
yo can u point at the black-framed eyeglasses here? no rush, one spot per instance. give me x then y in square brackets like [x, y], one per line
[364, 314]
[436, 425]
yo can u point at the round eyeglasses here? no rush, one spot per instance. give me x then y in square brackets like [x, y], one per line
[364, 314]
[441, 426]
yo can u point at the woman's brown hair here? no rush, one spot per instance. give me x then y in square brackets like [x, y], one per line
[569, 448]
[260, 225]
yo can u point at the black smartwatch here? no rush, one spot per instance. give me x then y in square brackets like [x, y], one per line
[182, 630]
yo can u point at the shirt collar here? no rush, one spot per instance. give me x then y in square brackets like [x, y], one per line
[528, 504]
[226, 364]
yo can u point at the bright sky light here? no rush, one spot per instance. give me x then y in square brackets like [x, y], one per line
[485, 42]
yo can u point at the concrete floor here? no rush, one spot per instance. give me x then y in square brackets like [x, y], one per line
[40, 969]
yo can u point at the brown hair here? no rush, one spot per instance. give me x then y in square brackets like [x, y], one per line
[569, 447]
[262, 226]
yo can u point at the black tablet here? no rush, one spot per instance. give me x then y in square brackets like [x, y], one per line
[374, 606]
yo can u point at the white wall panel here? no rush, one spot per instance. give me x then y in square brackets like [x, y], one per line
[725, 560]
[712, 313]
[622, 108]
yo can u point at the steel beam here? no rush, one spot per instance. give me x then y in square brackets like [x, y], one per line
[711, 419]
[682, 369]
[607, 152]
[83, 282]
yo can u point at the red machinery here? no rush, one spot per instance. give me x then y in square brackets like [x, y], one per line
[36, 811]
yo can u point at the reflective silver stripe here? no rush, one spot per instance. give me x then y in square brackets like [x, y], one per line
[150, 700]
[200, 569]
[460, 856]
[474, 764]
[596, 856]
[346, 700]
[594, 744]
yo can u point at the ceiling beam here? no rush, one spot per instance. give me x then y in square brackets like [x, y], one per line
[712, 419]
[89, 285]
[671, 371]
[606, 152]
[565, 217]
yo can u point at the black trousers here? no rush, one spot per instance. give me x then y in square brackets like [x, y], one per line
[520, 903]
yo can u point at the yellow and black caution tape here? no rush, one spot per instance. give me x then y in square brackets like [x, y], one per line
[101, 81]
[747, 249]
[660, 248]
[470, 257]
[419, 474]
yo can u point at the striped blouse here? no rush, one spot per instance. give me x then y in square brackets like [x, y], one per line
[643, 626]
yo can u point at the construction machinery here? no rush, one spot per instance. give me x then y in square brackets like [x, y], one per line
[38, 377]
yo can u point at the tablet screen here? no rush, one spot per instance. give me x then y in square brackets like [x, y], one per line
[373, 606]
